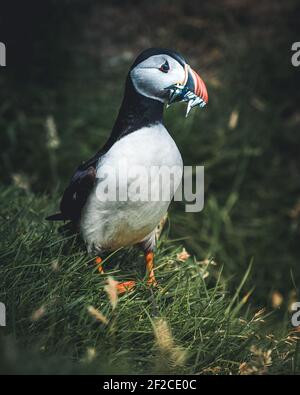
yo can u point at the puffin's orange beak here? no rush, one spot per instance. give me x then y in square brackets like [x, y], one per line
[196, 85]
[192, 90]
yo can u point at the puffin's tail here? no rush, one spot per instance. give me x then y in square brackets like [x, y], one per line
[57, 217]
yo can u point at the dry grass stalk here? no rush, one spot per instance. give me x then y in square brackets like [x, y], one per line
[233, 120]
[260, 363]
[277, 299]
[111, 290]
[97, 315]
[38, 314]
[53, 141]
[183, 255]
[172, 354]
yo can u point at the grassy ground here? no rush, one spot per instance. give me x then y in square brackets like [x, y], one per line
[63, 317]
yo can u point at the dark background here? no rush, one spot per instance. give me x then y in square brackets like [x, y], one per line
[60, 92]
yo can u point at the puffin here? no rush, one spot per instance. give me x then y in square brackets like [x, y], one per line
[138, 141]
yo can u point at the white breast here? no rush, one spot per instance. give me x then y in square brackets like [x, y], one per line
[108, 225]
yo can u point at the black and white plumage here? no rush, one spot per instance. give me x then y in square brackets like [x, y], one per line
[157, 76]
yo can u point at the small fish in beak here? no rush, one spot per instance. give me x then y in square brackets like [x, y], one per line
[191, 90]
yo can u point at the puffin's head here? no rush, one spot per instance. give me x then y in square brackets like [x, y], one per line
[164, 75]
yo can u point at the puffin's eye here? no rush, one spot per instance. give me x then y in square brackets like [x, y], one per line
[165, 67]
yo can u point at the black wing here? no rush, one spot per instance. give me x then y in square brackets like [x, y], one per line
[76, 194]
[82, 182]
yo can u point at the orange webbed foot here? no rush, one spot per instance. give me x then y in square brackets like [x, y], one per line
[125, 286]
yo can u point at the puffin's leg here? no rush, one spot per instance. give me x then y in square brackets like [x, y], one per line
[148, 246]
[149, 258]
[151, 281]
[98, 262]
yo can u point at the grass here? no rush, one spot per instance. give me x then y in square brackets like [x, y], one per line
[189, 324]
